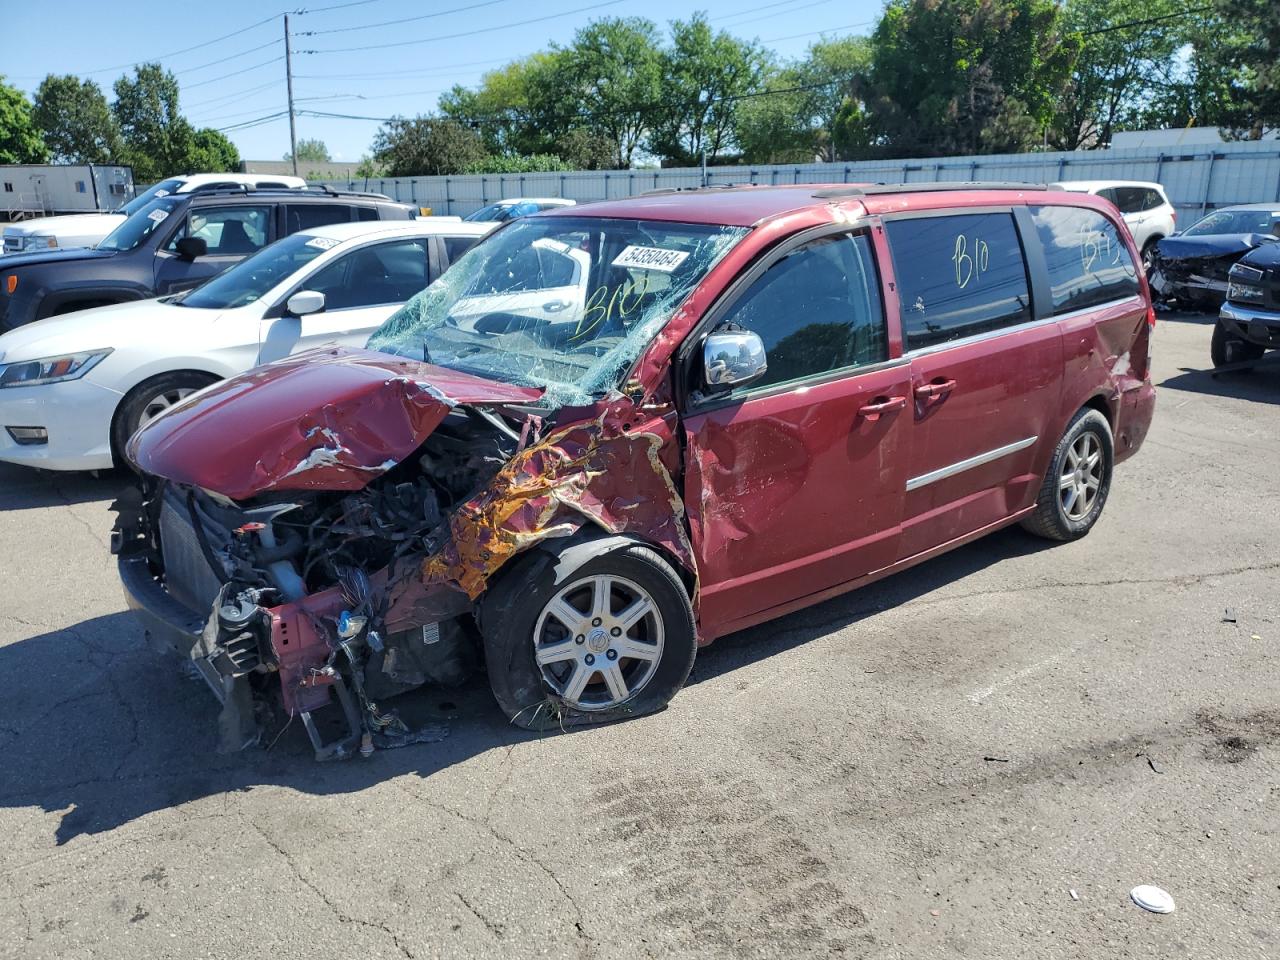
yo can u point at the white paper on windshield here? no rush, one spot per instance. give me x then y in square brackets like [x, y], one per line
[650, 258]
[162, 193]
[322, 243]
[157, 215]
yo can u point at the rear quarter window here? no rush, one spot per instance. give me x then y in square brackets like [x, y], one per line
[958, 276]
[1088, 261]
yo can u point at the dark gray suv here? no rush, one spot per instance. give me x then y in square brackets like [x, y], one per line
[172, 244]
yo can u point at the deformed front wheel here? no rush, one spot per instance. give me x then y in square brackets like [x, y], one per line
[612, 637]
[1079, 478]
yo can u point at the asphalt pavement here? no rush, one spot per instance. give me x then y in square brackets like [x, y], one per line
[928, 767]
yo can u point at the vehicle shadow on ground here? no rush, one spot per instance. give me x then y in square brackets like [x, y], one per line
[26, 488]
[1259, 385]
[100, 727]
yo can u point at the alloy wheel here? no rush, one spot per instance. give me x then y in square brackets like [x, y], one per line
[1081, 476]
[598, 642]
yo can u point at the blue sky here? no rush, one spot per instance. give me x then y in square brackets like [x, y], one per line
[241, 78]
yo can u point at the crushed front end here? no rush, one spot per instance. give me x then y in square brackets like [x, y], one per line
[273, 600]
[308, 553]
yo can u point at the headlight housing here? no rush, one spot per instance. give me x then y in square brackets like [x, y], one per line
[69, 366]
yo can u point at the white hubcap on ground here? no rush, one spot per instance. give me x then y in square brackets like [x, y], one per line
[598, 642]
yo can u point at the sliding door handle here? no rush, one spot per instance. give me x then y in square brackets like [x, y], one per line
[939, 388]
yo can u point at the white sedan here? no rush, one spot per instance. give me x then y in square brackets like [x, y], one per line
[74, 388]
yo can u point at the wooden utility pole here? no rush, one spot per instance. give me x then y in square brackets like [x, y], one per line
[288, 73]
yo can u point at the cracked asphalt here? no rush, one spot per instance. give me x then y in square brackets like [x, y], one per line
[924, 768]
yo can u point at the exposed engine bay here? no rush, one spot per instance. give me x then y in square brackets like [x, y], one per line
[1195, 269]
[252, 562]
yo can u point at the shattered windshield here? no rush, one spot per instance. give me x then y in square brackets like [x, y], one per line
[562, 303]
[1234, 221]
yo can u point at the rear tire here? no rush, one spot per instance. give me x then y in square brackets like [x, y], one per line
[148, 400]
[586, 675]
[1075, 488]
[1227, 348]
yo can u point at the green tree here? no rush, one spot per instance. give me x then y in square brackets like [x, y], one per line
[499, 108]
[705, 77]
[1123, 66]
[310, 151]
[1246, 59]
[368, 168]
[608, 81]
[158, 140]
[212, 152]
[966, 76]
[20, 140]
[795, 118]
[426, 146]
[75, 121]
[527, 163]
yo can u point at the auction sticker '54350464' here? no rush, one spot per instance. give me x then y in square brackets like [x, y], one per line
[650, 258]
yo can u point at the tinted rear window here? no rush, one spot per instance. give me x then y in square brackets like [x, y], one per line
[958, 276]
[1088, 262]
[305, 216]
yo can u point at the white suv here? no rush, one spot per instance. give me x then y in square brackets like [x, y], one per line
[1145, 207]
[86, 229]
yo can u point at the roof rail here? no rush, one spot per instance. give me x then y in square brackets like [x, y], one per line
[710, 186]
[875, 189]
[325, 190]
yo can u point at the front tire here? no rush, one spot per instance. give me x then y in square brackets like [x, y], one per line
[614, 637]
[148, 400]
[1227, 348]
[1079, 478]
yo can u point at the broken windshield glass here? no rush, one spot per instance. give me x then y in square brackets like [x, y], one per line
[566, 304]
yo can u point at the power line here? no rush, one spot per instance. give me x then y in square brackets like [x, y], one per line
[231, 96]
[234, 73]
[234, 56]
[738, 13]
[467, 33]
[174, 53]
[814, 33]
[334, 6]
[778, 13]
[436, 71]
[388, 23]
[257, 122]
[1144, 22]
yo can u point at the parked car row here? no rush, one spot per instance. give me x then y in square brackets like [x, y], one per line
[605, 435]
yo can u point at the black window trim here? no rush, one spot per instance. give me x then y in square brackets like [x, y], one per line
[685, 365]
[1032, 258]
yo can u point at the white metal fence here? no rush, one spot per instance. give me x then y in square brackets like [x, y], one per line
[1196, 179]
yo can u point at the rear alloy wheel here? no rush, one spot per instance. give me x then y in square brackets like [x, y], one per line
[1227, 348]
[1079, 479]
[610, 638]
[148, 400]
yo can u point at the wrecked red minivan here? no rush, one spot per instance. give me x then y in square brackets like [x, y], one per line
[612, 433]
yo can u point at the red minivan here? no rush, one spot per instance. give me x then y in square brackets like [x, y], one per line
[614, 432]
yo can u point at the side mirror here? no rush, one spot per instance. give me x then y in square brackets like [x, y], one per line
[191, 247]
[732, 359]
[304, 302]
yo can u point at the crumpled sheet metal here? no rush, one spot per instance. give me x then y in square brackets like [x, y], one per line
[328, 420]
[609, 470]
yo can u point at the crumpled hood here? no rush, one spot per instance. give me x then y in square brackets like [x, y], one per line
[326, 419]
[1210, 245]
[1265, 257]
